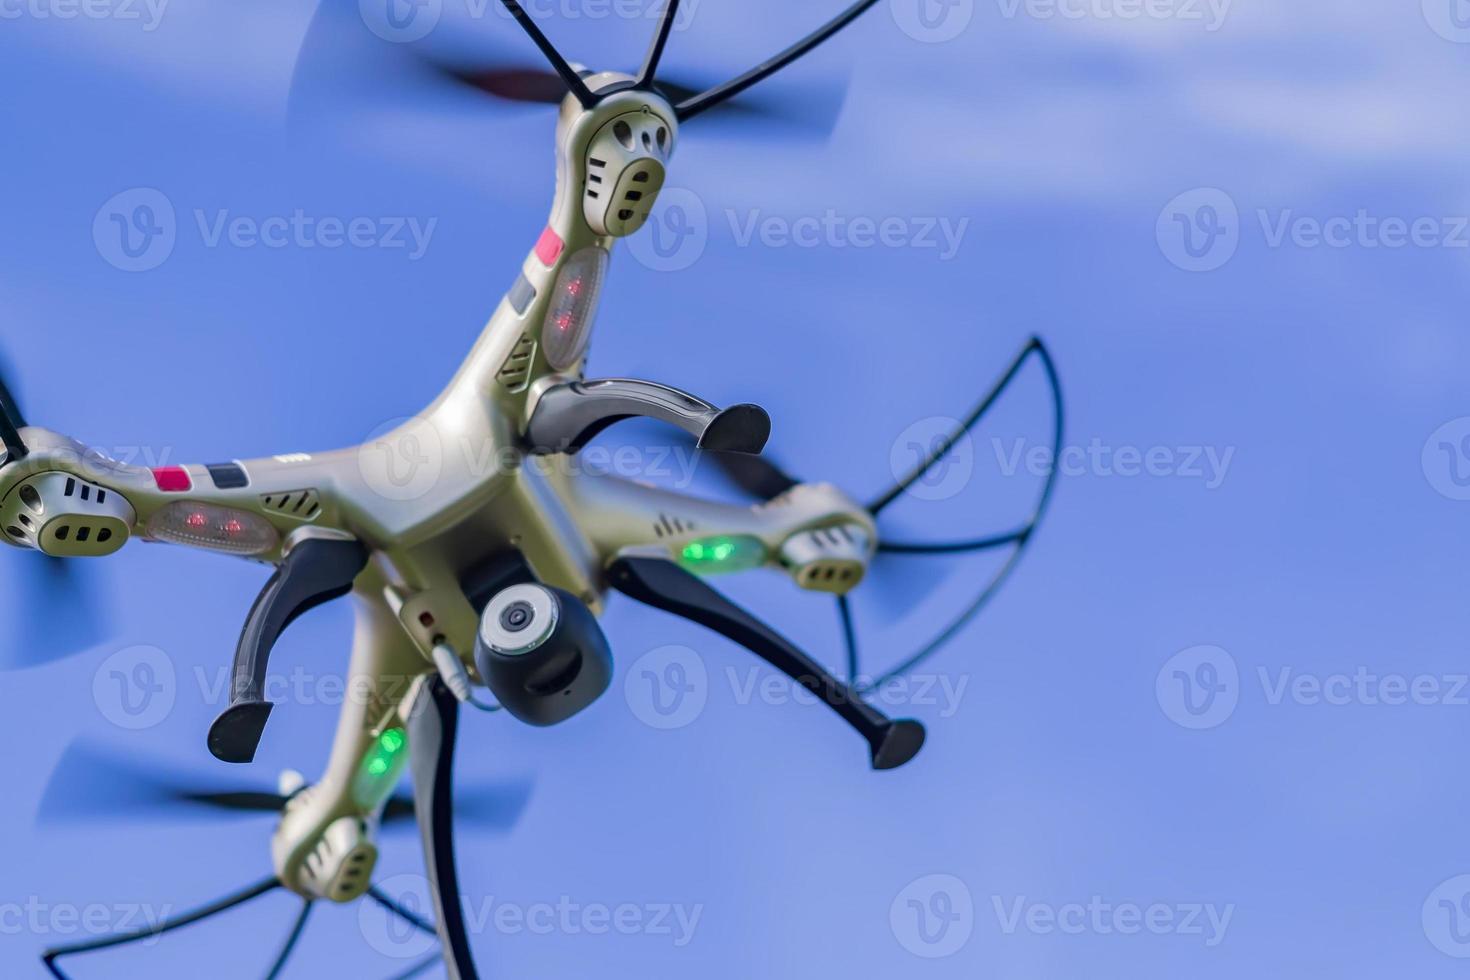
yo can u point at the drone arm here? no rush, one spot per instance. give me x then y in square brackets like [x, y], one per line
[813, 532]
[70, 500]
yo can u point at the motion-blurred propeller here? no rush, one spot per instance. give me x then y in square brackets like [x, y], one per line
[54, 608]
[93, 783]
[345, 68]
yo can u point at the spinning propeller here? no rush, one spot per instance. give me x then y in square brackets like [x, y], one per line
[59, 599]
[344, 66]
[92, 783]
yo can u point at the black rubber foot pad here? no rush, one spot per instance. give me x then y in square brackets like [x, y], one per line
[901, 742]
[738, 429]
[235, 734]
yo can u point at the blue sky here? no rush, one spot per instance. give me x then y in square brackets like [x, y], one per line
[1210, 728]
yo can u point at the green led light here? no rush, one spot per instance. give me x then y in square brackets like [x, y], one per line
[723, 553]
[381, 767]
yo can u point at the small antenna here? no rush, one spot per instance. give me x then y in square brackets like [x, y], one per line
[567, 72]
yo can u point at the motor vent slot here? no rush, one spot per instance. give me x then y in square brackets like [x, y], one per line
[302, 505]
[668, 525]
[515, 373]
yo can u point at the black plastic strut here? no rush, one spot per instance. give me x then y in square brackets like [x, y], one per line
[315, 571]
[662, 584]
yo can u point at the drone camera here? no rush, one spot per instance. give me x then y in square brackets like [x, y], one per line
[625, 172]
[66, 517]
[543, 654]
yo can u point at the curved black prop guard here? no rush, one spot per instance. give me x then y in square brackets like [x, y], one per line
[662, 584]
[433, 725]
[50, 956]
[317, 570]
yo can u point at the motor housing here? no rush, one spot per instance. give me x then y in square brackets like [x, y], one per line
[65, 516]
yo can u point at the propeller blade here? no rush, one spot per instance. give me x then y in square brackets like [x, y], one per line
[58, 612]
[344, 68]
[93, 782]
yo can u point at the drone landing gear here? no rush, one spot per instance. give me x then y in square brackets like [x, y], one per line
[664, 585]
[568, 416]
[315, 571]
[432, 728]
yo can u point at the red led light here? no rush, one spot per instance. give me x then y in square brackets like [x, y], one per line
[233, 527]
[195, 520]
[575, 287]
[172, 479]
[564, 322]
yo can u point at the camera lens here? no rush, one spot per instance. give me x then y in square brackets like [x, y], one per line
[517, 616]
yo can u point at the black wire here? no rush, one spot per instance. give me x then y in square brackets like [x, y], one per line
[690, 108]
[951, 547]
[1021, 538]
[656, 49]
[291, 940]
[50, 957]
[849, 636]
[11, 421]
[1034, 346]
[568, 74]
[392, 905]
[420, 968]
[415, 920]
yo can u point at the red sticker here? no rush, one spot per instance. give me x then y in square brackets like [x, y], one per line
[173, 479]
[548, 249]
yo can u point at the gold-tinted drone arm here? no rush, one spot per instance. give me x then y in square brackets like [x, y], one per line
[813, 532]
[71, 501]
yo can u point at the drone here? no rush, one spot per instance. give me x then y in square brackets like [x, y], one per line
[495, 580]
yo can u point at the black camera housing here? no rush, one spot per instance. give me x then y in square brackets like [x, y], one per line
[543, 653]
